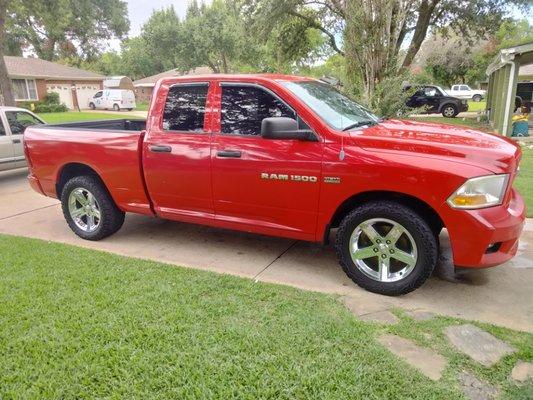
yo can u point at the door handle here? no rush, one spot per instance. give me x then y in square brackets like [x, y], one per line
[160, 149]
[229, 153]
[16, 140]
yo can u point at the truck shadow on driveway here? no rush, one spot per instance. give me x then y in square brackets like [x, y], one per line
[495, 295]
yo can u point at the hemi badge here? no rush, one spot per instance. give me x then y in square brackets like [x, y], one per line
[332, 179]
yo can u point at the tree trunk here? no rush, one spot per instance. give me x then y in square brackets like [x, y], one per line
[6, 92]
[425, 11]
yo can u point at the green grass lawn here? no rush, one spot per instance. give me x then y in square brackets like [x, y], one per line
[476, 106]
[142, 106]
[75, 116]
[77, 323]
[524, 180]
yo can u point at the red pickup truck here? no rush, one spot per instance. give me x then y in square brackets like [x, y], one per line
[290, 156]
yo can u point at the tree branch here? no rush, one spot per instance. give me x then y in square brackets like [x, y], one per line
[312, 23]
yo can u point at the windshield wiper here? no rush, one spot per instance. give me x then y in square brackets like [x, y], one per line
[360, 123]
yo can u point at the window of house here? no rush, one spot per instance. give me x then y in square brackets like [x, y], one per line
[24, 89]
[185, 108]
[244, 108]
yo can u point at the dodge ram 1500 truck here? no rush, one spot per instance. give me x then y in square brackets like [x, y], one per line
[292, 157]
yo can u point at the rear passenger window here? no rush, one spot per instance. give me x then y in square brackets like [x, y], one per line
[185, 108]
[244, 108]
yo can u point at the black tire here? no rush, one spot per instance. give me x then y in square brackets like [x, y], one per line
[116, 107]
[449, 111]
[92, 106]
[112, 217]
[418, 228]
[130, 109]
[477, 98]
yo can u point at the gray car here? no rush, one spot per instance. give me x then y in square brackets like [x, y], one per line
[13, 123]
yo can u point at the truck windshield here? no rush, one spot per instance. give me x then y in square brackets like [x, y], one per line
[337, 110]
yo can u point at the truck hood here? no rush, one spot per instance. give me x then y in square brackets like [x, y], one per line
[453, 143]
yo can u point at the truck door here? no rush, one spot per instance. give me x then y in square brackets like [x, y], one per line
[265, 185]
[6, 147]
[177, 154]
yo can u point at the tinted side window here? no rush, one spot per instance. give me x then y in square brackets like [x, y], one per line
[2, 130]
[244, 108]
[185, 108]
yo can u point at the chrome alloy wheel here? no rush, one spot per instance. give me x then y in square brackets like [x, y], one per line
[383, 250]
[84, 209]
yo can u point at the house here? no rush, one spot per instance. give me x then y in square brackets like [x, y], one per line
[145, 86]
[33, 78]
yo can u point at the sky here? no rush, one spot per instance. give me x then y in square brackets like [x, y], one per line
[140, 10]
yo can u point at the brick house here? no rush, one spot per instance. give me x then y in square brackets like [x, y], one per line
[33, 78]
[145, 86]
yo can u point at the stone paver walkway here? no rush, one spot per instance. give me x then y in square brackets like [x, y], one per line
[522, 371]
[475, 389]
[426, 361]
[382, 317]
[479, 345]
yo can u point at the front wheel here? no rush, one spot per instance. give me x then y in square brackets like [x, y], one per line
[386, 248]
[449, 111]
[92, 106]
[88, 208]
[116, 107]
[477, 98]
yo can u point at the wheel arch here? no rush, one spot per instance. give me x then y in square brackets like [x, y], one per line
[448, 103]
[422, 208]
[71, 170]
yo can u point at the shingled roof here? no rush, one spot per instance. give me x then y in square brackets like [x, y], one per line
[25, 67]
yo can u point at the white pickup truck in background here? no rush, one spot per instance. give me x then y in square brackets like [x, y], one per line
[13, 123]
[464, 92]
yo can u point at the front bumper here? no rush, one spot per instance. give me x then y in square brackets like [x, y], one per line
[487, 237]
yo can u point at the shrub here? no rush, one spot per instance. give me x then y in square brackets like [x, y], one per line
[48, 108]
[51, 98]
[49, 104]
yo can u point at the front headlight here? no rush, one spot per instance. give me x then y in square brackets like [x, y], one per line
[484, 191]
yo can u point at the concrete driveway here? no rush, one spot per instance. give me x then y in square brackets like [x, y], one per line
[501, 295]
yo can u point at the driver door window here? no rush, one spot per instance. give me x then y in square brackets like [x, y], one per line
[243, 109]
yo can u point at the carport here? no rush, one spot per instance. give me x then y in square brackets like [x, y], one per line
[503, 77]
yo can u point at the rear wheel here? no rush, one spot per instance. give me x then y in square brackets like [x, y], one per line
[476, 97]
[116, 107]
[386, 248]
[130, 109]
[449, 111]
[88, 208]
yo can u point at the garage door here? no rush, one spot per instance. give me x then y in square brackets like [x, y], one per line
[85, 93]
[65, 95]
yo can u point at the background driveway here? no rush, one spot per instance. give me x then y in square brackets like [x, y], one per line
[501, 295]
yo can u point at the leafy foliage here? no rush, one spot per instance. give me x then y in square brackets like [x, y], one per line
[60, 28]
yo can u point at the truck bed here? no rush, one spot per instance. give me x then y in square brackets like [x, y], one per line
[111, 148]
[105, 124]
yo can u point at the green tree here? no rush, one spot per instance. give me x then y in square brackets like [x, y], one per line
[372, 34]
[54, 29]
[162, 37]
